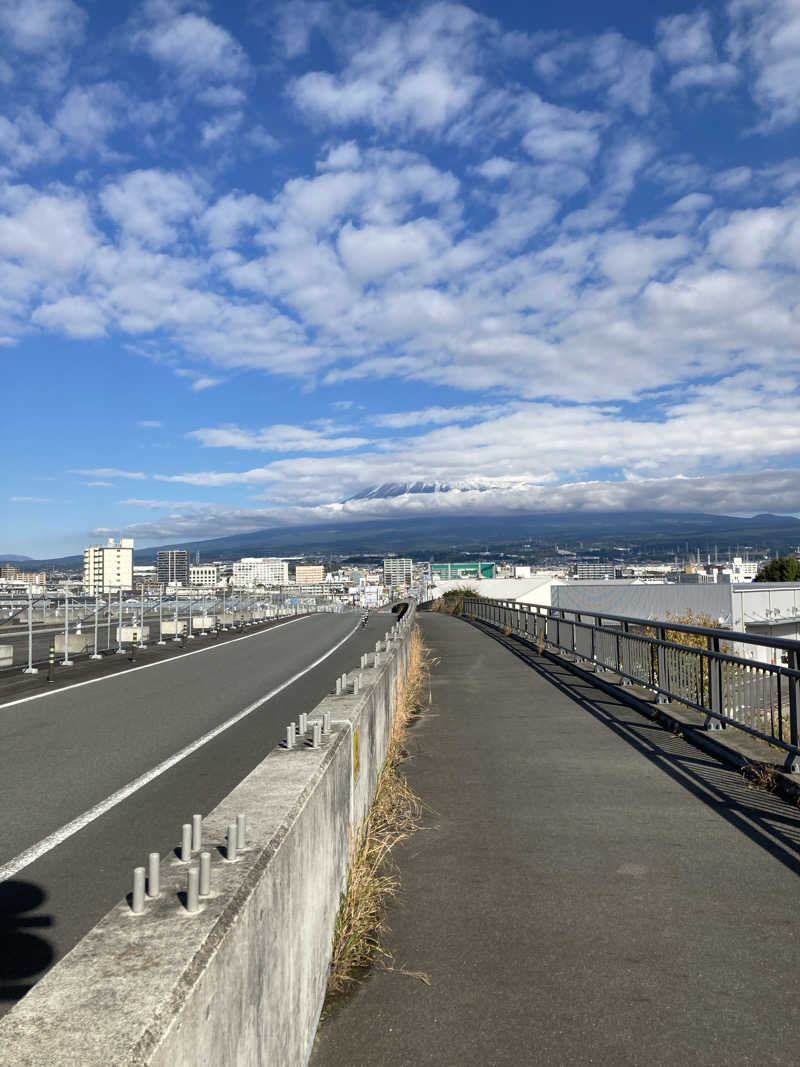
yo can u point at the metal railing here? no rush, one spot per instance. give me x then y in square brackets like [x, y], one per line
[731, 677]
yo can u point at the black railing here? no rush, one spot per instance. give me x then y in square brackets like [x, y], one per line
[734, 679]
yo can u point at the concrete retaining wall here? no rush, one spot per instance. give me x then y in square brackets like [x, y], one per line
[242, 982]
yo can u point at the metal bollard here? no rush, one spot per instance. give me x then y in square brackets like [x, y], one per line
[241, 832]
[186, 842]
[193, 891]
[338, 687]
[302, 727]
[51, 663]
[344, 682]
[326, 722]
[153, 875]
[356, 684]
[316, 739]
[137, 902]
[230, 847]
[197, 833]
[205, 874]
[289, 742]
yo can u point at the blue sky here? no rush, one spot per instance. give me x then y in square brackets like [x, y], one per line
[258, 258]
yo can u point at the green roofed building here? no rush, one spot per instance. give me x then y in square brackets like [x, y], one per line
[446, 571]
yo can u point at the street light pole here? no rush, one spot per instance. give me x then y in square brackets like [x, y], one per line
[30, 669]
[119, 623]
[67, 662]
[96, 654]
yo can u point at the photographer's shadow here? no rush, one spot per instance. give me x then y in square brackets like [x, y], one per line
[23, 955]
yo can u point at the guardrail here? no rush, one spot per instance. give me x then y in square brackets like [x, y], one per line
[716, 672]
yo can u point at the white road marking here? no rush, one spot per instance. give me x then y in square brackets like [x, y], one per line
[147, 666]
[30, 855]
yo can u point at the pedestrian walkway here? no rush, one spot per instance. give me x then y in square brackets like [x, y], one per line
[589, 888]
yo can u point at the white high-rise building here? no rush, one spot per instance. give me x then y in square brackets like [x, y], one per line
[397, 571]
[260, 570]
[108, 568]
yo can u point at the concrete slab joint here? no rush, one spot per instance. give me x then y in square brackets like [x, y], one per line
[230, 974]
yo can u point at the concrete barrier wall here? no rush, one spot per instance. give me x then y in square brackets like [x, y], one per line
[242, 981]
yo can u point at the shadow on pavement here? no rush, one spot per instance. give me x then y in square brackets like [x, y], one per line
[767, 820]
[23, 955]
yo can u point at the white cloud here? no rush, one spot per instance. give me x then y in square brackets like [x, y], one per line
[87, 114]
[149, 424]
[75, 315]
[189, 44]
[277, 438]
[419, 72]
[30, 499]
[147, 205]
[108, 472]
[766, 36]
[35, 26]
[160, 505]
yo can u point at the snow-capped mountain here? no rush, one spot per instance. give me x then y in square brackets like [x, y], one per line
[394, 489]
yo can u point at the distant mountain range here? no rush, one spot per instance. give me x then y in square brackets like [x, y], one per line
[462, 535]
[10, 557]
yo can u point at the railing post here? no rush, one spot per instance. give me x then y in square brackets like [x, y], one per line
[714, 687]
[661, 663]
[792, 764]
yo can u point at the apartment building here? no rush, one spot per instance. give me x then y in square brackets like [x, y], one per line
[253, 571]
[173, 566]
[306, 574]
[108, 568]
[204, 575]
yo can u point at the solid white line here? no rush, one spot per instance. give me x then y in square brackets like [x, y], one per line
[29, 855]
[147, 666]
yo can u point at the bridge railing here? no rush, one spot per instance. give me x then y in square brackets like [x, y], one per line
[730, 677]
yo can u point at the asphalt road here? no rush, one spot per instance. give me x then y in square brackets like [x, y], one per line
[65, 753]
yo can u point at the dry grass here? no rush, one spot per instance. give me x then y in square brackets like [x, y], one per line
[393, 817]
[452, 602]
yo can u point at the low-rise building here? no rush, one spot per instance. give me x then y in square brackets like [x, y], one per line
[309, 574]
[204, 575]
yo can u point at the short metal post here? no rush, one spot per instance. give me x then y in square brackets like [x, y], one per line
[326, 722]
[197, 833]
[193, 891]
[316, 739]
[338, 687]
[290, 735]
[153, 875]
[205, 874]
[241, 831]
[302, 726]
[137, 902]
[230, 847]
[186, 842]
[356, 681]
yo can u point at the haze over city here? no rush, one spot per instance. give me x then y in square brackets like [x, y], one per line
[260, 259]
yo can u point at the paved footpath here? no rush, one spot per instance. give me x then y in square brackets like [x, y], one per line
[589, 889]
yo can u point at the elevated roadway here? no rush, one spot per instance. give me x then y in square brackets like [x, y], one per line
[97, 774]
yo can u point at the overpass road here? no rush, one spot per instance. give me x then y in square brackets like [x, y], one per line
[87, 786]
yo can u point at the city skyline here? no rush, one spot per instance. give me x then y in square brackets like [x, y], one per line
[257, 262]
